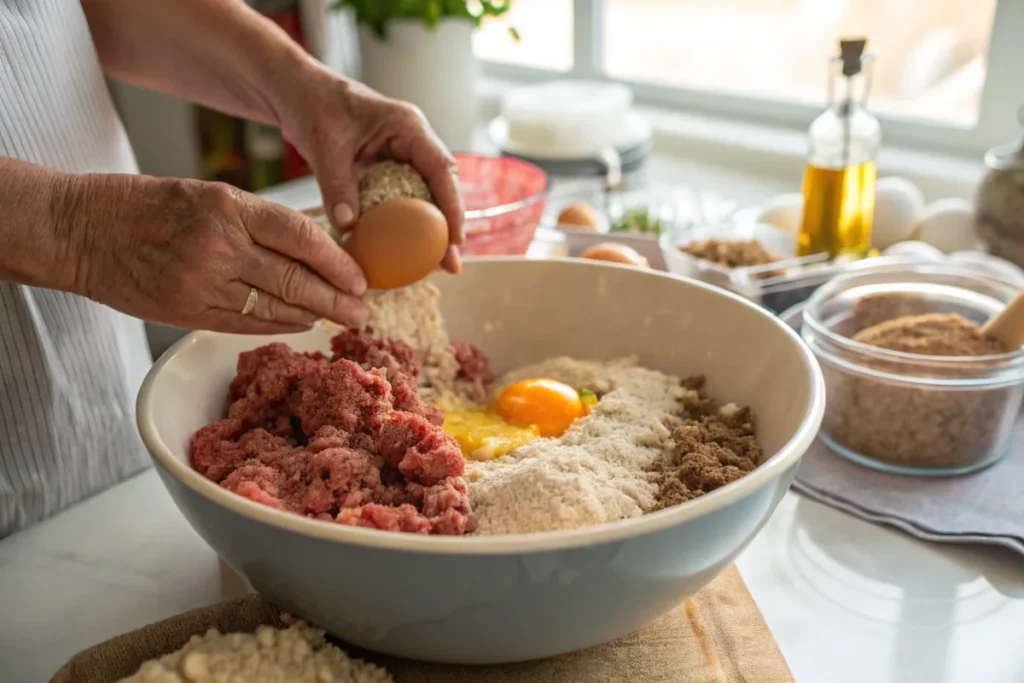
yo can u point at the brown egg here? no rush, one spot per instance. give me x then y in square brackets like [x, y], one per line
[581, 215]
[398, 242]
[616, 253]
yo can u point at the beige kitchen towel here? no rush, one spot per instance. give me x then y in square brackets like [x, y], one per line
[719, 636]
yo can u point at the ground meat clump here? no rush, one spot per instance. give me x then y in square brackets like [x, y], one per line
[397, 360]
[931, 334]
[346, 396]
[345, 439]
[474, 374]
[418, 449]
[920, 426]
[711, 446]
[266, 385]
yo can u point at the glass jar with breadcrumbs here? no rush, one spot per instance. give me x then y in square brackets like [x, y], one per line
[913, 385]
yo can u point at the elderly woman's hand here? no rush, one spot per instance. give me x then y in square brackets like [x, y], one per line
[340, 125]
[189, 253]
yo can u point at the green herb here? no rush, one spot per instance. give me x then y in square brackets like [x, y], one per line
[377, 13]
[637, 220]
[587, 395]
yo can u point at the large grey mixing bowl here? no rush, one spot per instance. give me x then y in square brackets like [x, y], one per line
[511, 598]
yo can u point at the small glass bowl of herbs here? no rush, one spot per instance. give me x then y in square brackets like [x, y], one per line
[651, 213]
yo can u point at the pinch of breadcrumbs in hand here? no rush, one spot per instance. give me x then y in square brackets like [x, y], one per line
[388, 180]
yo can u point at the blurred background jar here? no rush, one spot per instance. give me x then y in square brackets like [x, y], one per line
[999, 204]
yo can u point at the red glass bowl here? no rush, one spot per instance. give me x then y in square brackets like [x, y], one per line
[505, 199]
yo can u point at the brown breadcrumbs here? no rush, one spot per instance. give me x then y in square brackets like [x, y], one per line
[877, 308]
[918, 425]
[710, 447]
[931, 334]
[732, 253]
[387, 180]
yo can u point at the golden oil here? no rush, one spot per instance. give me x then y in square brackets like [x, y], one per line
[839, 183]
[839, 205]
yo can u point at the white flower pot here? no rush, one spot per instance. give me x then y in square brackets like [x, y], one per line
[433, 68]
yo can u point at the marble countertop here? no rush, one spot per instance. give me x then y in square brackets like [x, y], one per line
[848, 602]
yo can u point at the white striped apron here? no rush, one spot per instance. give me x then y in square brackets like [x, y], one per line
[69, 368]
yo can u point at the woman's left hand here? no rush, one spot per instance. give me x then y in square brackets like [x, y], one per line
[340, 125]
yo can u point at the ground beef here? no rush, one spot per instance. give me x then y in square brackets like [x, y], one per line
[345, 439]
[360, 346]
[402, 518]
[345, 396]
[473, 364]
[474, 374]
[400, 365]
[265, 386]
[220, 448]
[419, 450]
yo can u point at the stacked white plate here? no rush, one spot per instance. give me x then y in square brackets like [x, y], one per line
[573, 127]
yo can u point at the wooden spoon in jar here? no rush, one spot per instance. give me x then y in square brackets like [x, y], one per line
[1008, 325]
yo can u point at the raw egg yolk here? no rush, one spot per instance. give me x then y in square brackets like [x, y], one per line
[484, 435]
[549, 405]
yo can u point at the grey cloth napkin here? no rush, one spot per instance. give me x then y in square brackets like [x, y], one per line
[984, 507]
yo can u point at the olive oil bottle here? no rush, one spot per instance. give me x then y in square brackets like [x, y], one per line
[839, 182]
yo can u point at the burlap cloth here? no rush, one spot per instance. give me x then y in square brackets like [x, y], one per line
[719, 636]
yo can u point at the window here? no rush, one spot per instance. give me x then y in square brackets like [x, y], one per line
[945, 74]
[545, 41]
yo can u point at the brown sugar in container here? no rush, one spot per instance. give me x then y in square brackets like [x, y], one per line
[907, 412]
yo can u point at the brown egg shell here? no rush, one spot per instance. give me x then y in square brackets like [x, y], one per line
[580, 215]
[398, 242]
[616, 253]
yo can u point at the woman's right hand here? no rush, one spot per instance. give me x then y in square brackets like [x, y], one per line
[187, 253]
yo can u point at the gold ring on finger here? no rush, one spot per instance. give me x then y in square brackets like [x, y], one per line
[251, 301]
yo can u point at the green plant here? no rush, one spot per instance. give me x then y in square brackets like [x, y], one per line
[377, 13]
[637, 220]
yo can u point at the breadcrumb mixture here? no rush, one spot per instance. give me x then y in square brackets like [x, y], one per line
[594, 473]
[298, 654]
[908, 424]
[931, 334]
[731, 253]
[711, 446]
[410, 315]
[387, 180]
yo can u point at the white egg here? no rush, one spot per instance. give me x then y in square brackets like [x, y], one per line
[897, 205]
[913, 248]
[948, 224]
[993, 264]
[785, 212]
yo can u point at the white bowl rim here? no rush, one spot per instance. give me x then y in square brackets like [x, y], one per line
[787, 456]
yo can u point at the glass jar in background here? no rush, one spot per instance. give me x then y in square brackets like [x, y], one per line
[909, 413]
[999, 200]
